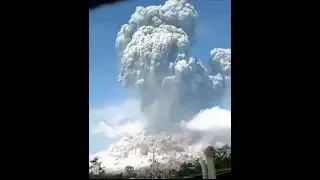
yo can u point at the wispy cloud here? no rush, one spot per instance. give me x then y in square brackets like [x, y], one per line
[113, 132]
[117, 120]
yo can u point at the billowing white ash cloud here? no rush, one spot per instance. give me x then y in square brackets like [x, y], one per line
[154, 52]
[176, 91]
[209, 127]
[220, 61]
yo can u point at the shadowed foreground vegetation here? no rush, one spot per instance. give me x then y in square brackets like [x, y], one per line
[222, 159]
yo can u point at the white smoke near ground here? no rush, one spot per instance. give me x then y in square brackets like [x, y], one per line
[209, 127]
[179, 112]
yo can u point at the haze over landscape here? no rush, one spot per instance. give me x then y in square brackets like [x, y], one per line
[177, 97]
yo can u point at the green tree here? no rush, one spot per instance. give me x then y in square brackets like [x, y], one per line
[130, 171]
[96, 171]
[222, 160]
[222, 157]
[190, 169]
[197, 165]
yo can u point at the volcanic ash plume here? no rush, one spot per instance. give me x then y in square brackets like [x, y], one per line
[185, 106]
[154, 52]
[220, 61]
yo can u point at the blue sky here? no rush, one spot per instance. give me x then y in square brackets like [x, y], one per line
[213, 30]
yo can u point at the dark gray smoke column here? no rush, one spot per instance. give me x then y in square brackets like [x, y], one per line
[153, 49]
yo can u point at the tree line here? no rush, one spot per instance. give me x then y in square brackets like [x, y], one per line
[221, 156]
